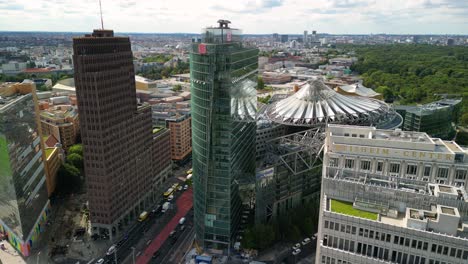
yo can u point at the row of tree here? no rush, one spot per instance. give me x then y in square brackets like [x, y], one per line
[292, 227]
[157, 73]
[413, 73]
[70, 174]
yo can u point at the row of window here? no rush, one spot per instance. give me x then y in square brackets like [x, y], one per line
[398, 240]
[411, 169]
[329, 260]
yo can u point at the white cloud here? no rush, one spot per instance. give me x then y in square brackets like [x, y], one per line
[253, 16]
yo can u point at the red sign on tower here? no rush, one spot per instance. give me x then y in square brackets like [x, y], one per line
[228, 36]
[202, 48]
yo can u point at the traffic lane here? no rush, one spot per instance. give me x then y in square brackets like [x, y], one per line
[132, 238]
[145, 236]
[184, 204]
[167, 249]
[306, 250]
[159, 220]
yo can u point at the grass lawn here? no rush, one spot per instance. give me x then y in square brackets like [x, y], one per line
[347, 209]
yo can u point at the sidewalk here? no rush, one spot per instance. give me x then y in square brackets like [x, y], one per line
[184, 204]
[10, 255]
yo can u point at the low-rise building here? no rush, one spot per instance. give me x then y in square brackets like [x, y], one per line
[62, 122]
[276, 77]
[54, 158]
[181, 137]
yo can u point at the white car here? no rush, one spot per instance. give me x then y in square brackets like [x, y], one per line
[185, 187]
[296, 252]
[170, 198]
[306, 241]
[111, 250]
[298, 245]
[100, 261]
[179, 188]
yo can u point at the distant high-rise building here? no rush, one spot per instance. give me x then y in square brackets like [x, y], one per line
[276, 37]
[390, 196]
[24, 204]
[450, 42]
[305, 38]
[284, 38]
[119, 145]
[223, 79]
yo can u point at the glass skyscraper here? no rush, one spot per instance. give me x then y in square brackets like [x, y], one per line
[24, 205]
[223, 74]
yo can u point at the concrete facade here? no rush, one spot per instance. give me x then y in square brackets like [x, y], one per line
[392, 197]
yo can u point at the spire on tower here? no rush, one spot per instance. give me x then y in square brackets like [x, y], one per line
[100, 8]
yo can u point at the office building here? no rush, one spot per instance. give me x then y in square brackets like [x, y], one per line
[223, 79]
[276, 37]
[390, 196]
[284, 38]
[24, 204]
[119, 147]
[181, 137]
[435, 118]
[305, 38]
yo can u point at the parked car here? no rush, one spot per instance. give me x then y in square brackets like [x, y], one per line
[185, 187]
[100, 261]
[182, 228]
[156, 254]
[179, 188]
[305, 241]
[296, 252]
[170, 198]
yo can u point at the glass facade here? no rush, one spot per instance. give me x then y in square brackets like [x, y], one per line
[223, 80]
[23, 190]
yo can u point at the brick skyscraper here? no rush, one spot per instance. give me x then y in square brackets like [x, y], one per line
[118, 142]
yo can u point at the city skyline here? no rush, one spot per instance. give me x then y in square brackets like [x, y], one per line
[255, 17]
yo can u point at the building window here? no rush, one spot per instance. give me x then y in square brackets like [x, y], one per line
[333, 162]
[365, 165]
[379, 166]
[349, 164]
[442, 173]
[460, 175]
[427, 171]
[411, 169]
[394, 168]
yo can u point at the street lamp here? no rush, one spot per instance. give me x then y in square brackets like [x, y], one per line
[133, 254]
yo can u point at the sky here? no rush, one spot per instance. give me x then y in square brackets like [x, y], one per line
[252, 16]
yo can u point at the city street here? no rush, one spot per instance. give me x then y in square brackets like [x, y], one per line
[184, 204]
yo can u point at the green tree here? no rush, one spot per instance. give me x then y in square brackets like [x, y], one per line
[68, 179]
[77, 148]
[260, 83]
[464, 119]
[76, 160]
[177, 88]
[265, 99]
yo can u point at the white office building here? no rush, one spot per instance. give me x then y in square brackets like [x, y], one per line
[392, 196]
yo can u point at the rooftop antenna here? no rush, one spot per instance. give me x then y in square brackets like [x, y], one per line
[100, 9]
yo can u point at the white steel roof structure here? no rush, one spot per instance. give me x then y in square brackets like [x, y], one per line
[316, 104]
